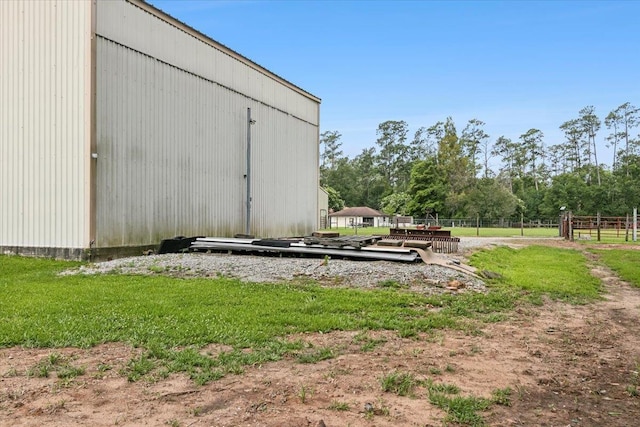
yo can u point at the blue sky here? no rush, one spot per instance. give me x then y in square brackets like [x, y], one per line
[514, 65]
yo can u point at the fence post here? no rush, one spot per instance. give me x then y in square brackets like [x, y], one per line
[598, 225]
[521, 224]
[635, 224]
[561, 225]
[477, 224]
[626, 229]
[570, 226]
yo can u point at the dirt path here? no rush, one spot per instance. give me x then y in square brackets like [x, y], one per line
[566, 365]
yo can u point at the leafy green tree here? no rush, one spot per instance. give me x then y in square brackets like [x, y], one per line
[591, 125]
[395, 203]
[342, 178]
[427, 188]
[580, 193]
[422, 146]
[627, 183]
[556, 156]
[336, 203]
[370, 183]
[474, 141]
[506, 150]
[624, 119]
[531, 198]
[613, 122]
[393, 155]
[574, 135]
[331, 152]
[490, 200]
[533, 145]
[453, 167]
[435, 172]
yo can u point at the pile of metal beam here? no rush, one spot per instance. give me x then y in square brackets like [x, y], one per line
[441, 240]
[351, 247]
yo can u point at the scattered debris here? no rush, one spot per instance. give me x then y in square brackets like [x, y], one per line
[353, 247]
[455, 285]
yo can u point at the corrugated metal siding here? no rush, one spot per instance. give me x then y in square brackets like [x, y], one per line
[285, 169]
[166, 158]
[138, 29]
[44, 123]
[172, 156]
[171, 141]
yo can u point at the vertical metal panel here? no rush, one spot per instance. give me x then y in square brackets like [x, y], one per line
[285, 196]
[44, 123]
[171, 160]
[170, 151]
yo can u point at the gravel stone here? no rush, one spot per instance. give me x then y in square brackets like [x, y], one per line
[418, 277]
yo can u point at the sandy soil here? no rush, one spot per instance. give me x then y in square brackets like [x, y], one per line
[566, 365]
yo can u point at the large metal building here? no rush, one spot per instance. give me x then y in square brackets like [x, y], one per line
[121, 126]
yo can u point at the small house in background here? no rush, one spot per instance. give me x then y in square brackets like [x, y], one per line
[361, 216]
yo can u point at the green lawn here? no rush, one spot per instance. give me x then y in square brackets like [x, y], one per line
[626, 263]
[559, 273]
[503, 232]
[40, 308]
[458, 232]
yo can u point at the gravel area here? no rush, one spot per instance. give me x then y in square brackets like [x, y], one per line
[418, 277]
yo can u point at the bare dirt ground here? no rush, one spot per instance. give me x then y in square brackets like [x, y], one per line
[566, 366]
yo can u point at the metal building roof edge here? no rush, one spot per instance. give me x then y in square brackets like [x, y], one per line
[208, 40]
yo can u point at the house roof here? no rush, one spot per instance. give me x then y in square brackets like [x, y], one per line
[358, 211]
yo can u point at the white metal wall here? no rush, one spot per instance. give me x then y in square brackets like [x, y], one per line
[171, 137]
[285, 174]
[45, 49]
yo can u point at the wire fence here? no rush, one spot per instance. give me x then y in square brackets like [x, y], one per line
[599, 227]
[488, 223]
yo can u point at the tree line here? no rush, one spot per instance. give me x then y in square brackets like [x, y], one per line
[439, 170]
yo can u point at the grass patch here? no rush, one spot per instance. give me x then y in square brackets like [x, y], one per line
[456, 231]
[560, 273]
[304, 393]
[400, 383]
[315, 355]
[626, 263]
[607, 237]
[57, 363]
[391, 284]
[442, 388]
[41, 309]
[138, 368]
[502, 232]
[462, 410]
[501, 396]
[202, 368]
[339, 406]
[171, 319]
[367, 343]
